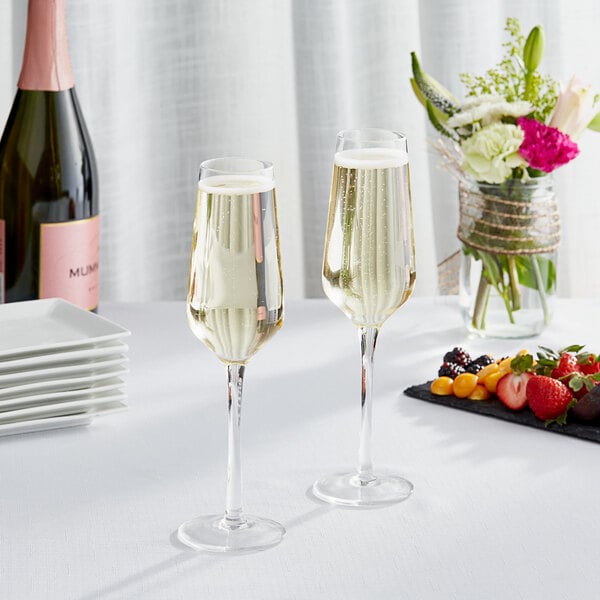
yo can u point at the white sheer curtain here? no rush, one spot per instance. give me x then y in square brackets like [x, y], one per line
[165, 84]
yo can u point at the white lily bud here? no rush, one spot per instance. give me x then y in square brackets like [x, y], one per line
[574, 108]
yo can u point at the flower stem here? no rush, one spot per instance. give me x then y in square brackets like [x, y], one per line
[541, 288]
[513, 276]
[481, 302]
[506, 297]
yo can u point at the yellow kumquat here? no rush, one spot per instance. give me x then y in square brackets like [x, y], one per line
[487, 370]
[442, 386]
[464, 384]
[491, 381]
[479, 393]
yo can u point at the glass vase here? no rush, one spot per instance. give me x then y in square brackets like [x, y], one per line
[510, 234]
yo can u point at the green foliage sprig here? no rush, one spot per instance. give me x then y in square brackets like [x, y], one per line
[512, 80]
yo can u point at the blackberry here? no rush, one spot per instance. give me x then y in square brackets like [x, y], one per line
[476, 365]
[450, 369]
[458, 356]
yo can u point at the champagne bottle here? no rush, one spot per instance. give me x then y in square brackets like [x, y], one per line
[49, 223]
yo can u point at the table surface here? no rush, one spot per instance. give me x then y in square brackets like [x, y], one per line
[498, 511]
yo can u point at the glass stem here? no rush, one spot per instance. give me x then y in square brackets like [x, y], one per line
[233, 500]
[368, 339]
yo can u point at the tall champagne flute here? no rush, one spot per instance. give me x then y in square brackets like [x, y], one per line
[368, 272]
[234, 305]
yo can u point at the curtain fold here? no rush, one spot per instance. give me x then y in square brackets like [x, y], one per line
[165, 84]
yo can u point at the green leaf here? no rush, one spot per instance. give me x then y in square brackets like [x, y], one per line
[417, 91]
[545, 351]
[527, 272]
[594, 124]
[431, 113]
[470, 251]
[546, 362]
[432, 90]
[441, 116]
[491, 270]
[521, 363]
[551, 278]
[584, 358]
[562, 419]
[572, 348]
[575, 382]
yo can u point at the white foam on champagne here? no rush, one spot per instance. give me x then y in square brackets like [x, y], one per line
[236, 185]
[371, 158]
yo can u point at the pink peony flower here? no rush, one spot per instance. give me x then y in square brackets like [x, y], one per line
[545, 148]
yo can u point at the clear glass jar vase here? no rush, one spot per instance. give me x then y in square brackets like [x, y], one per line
[510, 234]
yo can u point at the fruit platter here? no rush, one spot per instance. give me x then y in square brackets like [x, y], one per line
[555, 390]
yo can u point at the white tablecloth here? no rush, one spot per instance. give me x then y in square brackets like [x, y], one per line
[499, 511]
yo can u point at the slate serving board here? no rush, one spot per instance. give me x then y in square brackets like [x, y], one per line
[494, 408]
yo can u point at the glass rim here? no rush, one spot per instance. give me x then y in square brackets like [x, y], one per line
[374, 135]
[217, 166]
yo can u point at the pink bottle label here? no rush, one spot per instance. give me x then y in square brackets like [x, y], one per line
[2, 258]
[69, 261]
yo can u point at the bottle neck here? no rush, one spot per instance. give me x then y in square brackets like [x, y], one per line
[46, 63]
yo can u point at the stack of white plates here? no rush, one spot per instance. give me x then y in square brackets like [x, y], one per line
[60, 366]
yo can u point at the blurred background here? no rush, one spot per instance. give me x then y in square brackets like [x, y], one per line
[166, 84]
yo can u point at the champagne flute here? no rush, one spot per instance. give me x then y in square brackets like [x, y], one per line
[234, 305]
[368, 272]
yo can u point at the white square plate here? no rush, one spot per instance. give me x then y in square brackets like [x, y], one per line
[103, 388]
[61, 385]
[64, 357]
[59, 409]
[40, 326]
[47, 423]
[77, 369]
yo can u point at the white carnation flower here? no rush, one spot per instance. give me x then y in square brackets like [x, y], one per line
[488, 109]
[491, 153]
[473, 101]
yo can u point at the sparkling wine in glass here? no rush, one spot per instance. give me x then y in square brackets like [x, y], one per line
[368, 272]
[234, 305]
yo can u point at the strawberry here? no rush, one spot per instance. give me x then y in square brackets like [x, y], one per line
[566, 366]
[510, 389]
[549, 361]
[580, 383]
[589, 364]
[548, 398]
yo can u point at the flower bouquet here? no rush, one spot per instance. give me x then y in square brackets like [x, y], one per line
[503, 142]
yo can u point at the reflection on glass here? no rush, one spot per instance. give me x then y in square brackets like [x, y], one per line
[235, 304]
[368, 272]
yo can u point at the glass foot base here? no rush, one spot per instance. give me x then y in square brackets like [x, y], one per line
[346, 489]
[211, 532]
